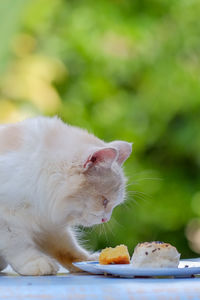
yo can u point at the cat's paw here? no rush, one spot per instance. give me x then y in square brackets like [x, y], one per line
[38, 266]
[93, 256]
[73, 269]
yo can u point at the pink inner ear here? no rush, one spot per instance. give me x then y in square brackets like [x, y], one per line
[104, 156]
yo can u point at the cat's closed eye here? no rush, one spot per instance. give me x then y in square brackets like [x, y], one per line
[105, 202]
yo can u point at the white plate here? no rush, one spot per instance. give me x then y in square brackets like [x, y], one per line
[128, 271]
[89, 266]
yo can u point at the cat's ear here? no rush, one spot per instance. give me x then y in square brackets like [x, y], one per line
[124, 149]
[101, 157]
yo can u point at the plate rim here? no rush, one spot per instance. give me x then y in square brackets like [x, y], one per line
[127, 270]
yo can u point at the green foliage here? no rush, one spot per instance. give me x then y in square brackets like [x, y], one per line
[124, 70]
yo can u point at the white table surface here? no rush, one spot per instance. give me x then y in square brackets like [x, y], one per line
[96, 287]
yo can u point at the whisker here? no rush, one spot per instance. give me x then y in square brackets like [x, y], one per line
[136, 199]
[94, 227]
[139, 195]
[89, 229]
[108, 227]
[128, 203]
[105, 232]
[116, 222]
[130, 184]
[137, 181]
[141, 198]
[139, 192]
[142, 173]
[97, 229]
[101, 230]
[149, 178]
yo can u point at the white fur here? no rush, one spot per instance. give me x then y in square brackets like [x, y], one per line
[45, 190]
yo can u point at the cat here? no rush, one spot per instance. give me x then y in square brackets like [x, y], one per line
[54, 176]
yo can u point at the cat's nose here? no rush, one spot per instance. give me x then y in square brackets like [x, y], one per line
[103, 220]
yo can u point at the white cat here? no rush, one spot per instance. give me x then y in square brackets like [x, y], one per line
[54, 176]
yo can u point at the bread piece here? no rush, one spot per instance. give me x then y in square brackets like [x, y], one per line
[155, 255]
[117, 255]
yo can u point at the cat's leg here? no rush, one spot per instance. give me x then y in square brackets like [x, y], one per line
[63, 247]
[19, 250]
[70, 251]
[32, 262]
[27, 260]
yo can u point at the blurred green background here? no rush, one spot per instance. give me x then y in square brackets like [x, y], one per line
[123, 69]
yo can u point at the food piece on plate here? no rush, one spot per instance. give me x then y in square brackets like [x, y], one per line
[117, 255]
[155, 255]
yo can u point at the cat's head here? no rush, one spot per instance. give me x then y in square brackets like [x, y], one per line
[84, 175]
[99, 183]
